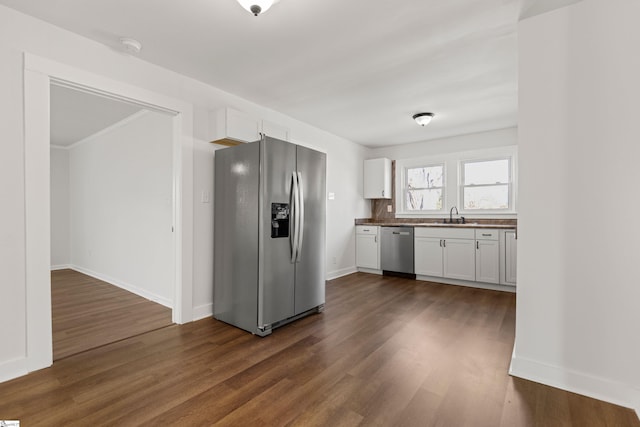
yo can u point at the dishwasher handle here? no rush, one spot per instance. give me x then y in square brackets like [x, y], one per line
[403, 233]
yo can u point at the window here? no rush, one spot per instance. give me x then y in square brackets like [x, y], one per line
[424, 188]
[480, 183]
[486, 184]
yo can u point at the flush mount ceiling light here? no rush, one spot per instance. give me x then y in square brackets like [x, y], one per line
[423, 119]
[257, 6]
[132, 46]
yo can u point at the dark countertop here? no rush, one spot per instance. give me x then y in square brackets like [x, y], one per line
[439, 225]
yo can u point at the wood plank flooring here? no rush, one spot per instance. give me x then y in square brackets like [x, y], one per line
[87, 313]
[386, 351]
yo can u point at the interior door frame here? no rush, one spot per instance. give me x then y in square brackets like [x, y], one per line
[39, 74]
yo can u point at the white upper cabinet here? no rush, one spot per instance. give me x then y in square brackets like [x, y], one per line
[377, 179]
[275, 130]
[231, 127]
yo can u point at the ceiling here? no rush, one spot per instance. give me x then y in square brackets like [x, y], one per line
[358, 68]
[76, 115]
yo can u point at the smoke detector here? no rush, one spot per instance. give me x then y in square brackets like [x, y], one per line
[131, 46]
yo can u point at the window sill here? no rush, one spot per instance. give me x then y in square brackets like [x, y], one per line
[479, 215]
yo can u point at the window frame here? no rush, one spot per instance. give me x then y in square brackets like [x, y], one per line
[509, 184]
[443, 187]
[453, 180]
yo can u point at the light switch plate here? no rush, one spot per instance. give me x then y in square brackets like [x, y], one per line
[389, 208]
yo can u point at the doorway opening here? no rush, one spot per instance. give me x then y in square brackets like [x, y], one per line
[112, 215]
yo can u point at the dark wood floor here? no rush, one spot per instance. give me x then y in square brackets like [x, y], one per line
[87, 313]
[386, 351]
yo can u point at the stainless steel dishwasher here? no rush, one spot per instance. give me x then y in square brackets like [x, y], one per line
[397, 249]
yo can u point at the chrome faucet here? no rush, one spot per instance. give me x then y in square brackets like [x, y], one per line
[451, 214]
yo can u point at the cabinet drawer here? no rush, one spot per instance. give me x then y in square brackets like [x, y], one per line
[445, 233]
[366, 229]
[486, 234]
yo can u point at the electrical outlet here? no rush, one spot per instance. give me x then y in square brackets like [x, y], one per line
[334, 260]
[389, 208]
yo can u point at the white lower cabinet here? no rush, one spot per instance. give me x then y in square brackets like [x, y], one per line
[511, 257]
[367, 247]
[487, 256]
[448, 253]
[428, 256]
[459, 259]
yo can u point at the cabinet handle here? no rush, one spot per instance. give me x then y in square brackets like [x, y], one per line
[382, 193]
[486, 235]
[375, 239]
[477, 245]
[440, 242]
[444, 243]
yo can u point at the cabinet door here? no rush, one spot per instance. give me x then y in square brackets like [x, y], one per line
[511, 257]
[367, 251]
[488, 261]
[428, 256]
[275, 130]
[460, 259]
[377, 179]
[238, 126]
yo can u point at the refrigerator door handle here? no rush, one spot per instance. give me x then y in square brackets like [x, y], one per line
[295, 200]
[301, 216]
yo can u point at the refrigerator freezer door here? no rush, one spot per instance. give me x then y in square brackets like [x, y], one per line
[237, 174]
[276, 272]
[310, 268]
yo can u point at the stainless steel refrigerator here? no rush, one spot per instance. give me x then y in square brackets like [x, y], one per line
[269, 234]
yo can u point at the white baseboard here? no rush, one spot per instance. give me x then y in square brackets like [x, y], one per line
[60, 267]
[126, 286]
[202, 311]
[13, 369]
[576, 382]
[341, 272]
[370, 270]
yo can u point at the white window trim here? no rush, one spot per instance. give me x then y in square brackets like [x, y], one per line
[444, 187]
[453, 182]
[512, 187]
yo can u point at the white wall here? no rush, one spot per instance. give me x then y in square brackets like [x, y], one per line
[468, 142]
[60, 219]
[578, 293]
[203, 154]
[121, 208]
[20, 33]
[12, 217]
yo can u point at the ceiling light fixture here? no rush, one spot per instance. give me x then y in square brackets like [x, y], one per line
[132, 46]
[257, 6]
[423, 119]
